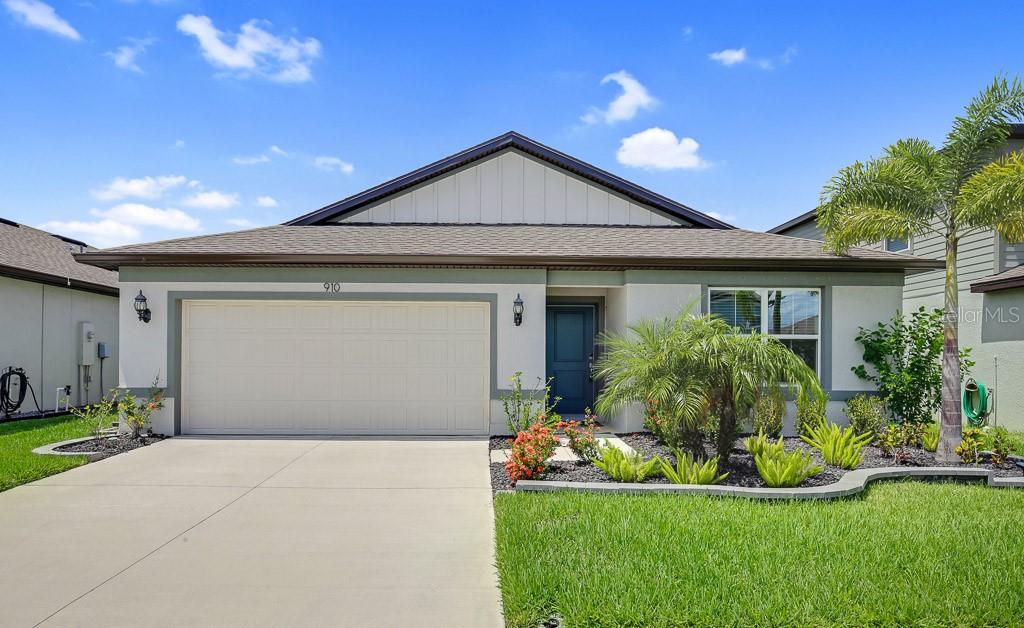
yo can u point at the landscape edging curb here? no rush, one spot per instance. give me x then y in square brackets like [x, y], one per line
[51, 449]
[850, 484]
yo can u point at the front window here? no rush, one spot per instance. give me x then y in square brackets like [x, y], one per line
[793, 315]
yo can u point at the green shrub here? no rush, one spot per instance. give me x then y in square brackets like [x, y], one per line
[809, 412]
[866, 414]
[767, 415]
[930, 438]
[760, 444]
[623, 467]
[783, 470]
[582, 440]
[100, 415]
[689, 471]
[839, 447]
[971, 442]
[524, 409]
[997, 441]
[906, 369]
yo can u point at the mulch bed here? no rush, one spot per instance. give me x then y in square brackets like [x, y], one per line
[108, 446]
[742, 471]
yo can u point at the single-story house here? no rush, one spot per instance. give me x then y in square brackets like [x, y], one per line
[990, 272]
[407, 308]
[54, 314]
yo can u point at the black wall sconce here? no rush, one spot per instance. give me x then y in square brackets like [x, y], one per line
[142, 308]
[517, 310]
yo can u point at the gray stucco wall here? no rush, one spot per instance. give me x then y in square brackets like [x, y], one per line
[629, 296]
[39, 333]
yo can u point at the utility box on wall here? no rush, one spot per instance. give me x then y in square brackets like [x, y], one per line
[87, 344]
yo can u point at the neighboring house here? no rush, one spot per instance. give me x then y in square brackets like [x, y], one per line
[48, 304]
[405, 309]
[991, 281]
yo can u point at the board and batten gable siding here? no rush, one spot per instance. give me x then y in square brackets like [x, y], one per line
[511, 188]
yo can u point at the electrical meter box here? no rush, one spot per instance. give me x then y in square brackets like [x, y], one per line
[87, 344]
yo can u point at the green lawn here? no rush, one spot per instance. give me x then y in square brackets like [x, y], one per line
[19, 465]
[902, 553]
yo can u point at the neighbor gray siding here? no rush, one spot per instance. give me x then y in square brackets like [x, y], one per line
[807, 230]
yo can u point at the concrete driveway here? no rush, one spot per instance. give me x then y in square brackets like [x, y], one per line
[256, 532]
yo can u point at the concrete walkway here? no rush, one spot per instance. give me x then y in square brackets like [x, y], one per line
[256, 532]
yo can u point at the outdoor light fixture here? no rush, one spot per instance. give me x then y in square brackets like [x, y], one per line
[517, 310]
[142, 308]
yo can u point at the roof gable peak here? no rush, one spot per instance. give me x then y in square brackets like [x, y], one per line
[506, 141]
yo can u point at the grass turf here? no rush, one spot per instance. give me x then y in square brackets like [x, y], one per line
[902, 553]
[19, 465]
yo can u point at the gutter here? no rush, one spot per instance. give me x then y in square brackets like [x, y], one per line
[113, 261]
[979, 287]
[57, 280]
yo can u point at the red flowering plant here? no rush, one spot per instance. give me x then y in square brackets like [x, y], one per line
[136, 414]
[582, 440]
[530, 452]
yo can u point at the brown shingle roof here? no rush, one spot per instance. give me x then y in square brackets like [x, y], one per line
[1013, 278]
[36, 255]
[503, 245]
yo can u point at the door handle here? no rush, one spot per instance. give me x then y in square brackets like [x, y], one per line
[590, 367]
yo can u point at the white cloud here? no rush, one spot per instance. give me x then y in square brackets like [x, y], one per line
[687, 33]
[735, 56]
[251, 160]
[729, 56]
[241, 223]
[255, 51]
[277, 150]
[178, 144]
[211, 199]
[333, 164]
[124, 56]
[266, 201]
[146, 216]
[722, 217]
[633, 98]
[660, 149]
[144, 187]
[36, 14]
[102, 233]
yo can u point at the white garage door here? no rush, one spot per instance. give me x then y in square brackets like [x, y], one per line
[339, 367]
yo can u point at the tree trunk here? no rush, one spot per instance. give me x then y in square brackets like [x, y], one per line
[726, 436]
[951, 427]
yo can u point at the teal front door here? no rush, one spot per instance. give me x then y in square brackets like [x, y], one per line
[570, 356]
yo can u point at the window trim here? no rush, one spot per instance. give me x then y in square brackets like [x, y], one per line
[763, 294]
[905, 251]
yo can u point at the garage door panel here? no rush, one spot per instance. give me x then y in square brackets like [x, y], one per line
[335, 368]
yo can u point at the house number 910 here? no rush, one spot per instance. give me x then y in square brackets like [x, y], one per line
[331, 286]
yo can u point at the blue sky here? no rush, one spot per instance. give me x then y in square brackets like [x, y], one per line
[132, 121]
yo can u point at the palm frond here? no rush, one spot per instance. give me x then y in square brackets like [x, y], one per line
[994, 198]
[894, 196]
[981, 130]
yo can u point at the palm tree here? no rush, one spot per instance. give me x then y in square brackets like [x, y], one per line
[916, 189]
[692, 368]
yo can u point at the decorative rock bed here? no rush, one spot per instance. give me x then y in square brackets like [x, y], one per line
[97, 448]
[744, 480]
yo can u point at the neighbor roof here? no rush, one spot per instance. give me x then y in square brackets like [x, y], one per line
[558, 246]
[1013, 278]
[506, 141]
[34, 255]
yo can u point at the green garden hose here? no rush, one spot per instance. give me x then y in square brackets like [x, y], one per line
[975, 403]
